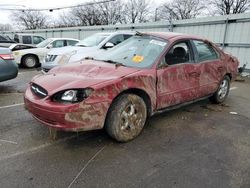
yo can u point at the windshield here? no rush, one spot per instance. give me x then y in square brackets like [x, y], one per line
[43, 43]
[138, 51]
[93, 40]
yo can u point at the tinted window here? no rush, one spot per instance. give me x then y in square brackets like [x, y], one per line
[37, 39]
[71, 42]
[205, 51]
[127, 36]
[179, 53]
[58, 44]
[2, 38]
[27, 40]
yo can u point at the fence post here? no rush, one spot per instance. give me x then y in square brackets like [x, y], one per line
[225, 34]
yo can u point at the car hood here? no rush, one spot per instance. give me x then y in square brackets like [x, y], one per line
[69, 49]
[81, 75]
[32, 50]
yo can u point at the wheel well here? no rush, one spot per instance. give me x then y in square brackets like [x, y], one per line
[229, 75]
[29, 55]
[141, 93]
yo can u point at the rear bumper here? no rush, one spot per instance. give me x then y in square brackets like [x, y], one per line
[8, 70]
[73, 117]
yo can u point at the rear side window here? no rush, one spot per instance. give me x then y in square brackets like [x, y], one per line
[27, 40]
[58, 44]
[205, 51]
[71, 42]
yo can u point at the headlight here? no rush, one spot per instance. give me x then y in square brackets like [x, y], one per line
[72, 95]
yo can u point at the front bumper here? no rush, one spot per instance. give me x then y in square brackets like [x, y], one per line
[66, 117]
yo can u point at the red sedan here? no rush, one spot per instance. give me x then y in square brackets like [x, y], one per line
[118, 89]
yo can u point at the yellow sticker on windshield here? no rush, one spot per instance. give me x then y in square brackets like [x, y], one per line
[138, 59]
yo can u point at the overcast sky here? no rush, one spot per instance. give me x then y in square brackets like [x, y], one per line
[5, 15]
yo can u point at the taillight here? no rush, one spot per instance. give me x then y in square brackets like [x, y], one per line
[7, 56]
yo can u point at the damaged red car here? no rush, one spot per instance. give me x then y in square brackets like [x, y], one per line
[120, 88]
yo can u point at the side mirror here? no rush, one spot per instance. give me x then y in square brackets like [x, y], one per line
[50, 46]
[109, 45]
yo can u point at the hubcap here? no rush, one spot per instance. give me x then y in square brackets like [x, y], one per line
[132, 118]
[223, 89]
[30, 62]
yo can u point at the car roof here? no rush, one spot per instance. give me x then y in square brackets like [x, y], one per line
[117, 32]
[63, 39]
[171, 35]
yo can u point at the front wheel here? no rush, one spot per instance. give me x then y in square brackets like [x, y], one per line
[30, 61]
[222, 92]
[126, 117]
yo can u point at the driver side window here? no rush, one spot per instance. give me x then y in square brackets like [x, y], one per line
[179, 53]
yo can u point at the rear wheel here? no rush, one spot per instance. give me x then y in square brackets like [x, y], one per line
[30, 61]
[222, 92]
[126, 117]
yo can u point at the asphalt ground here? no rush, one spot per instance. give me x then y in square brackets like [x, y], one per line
[200, 145]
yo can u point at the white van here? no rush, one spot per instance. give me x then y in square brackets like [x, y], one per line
[26, 38]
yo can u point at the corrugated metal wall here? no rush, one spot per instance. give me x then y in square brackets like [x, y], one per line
[232, 32]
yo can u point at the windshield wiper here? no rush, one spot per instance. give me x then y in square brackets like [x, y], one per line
[117, 64]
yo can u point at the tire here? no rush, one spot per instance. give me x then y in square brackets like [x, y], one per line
[222, 92]
[30, 61]
[126, 117]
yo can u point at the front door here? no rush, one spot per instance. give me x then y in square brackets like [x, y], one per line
[178, 80]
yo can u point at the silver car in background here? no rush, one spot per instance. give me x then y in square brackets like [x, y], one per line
[8, 67]
[85, 48]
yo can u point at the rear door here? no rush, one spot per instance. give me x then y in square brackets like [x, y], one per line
[177, 76]
[211, 66]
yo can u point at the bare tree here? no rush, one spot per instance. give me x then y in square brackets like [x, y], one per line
[137, 11]
[87, 15]
[223, 7]
[67, 19]
[30, 19]
[5, 27]
[181, 9]
[111, 12]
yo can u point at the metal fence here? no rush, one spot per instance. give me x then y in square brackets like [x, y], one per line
[231, 32]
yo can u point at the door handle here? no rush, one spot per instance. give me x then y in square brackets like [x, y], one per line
[194, 74]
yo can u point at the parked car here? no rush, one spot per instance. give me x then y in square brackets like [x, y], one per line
[146, 74]
[8, 67]
[5, 41]
[87, 47]
[28, 38]
[31, 58]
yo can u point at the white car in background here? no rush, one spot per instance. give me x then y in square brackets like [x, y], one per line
[85, 48]
[31, 58]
